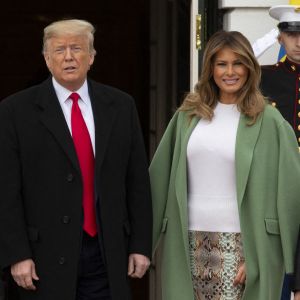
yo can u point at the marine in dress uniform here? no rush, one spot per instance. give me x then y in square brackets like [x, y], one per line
[281, 84]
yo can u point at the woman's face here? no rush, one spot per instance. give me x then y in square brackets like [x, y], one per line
[229, 74]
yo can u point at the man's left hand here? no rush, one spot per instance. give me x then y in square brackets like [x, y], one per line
[297, 295]
[138, 264]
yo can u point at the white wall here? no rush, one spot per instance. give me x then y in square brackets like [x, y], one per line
[253, 20]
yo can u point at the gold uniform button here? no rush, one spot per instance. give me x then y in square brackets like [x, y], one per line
[299, 114]
[299, 140]
[274, 104]
[298, 127]
[298, 101]
[299, 149]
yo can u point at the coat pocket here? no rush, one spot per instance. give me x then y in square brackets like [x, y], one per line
[272, 226]
[164, 225]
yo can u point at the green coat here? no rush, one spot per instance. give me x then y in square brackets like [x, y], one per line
[268, 195]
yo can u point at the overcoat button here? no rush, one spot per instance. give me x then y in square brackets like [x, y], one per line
[66, 219]
[61, 260]
[70, 177]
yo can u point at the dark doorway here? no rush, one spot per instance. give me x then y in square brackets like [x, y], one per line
[121, 41]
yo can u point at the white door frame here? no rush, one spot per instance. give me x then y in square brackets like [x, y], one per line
[194, 51]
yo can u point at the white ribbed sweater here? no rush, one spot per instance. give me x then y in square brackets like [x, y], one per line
[212, 203]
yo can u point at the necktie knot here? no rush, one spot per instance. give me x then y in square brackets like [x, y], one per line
[74, 97]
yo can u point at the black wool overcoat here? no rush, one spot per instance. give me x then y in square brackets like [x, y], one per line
[41, 189]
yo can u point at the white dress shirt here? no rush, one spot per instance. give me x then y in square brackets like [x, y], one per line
[84, 103]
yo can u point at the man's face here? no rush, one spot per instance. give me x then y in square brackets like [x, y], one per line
[291, 43]
[68, 59]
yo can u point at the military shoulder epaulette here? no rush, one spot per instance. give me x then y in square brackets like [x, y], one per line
[271, 67]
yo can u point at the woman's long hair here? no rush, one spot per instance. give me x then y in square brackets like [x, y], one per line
[205, 97]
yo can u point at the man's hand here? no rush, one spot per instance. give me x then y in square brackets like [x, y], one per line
[240, 277]
[23, 272]
[137, 265]
[297, 295]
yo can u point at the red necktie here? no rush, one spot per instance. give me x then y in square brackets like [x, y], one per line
[84, 150]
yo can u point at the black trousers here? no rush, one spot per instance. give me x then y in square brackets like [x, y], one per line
[92, 275]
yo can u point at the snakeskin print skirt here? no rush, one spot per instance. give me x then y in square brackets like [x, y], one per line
[215, 258]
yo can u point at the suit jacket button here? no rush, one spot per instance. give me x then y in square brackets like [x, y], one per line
[70, 177]
[66, 219]
[61, 260]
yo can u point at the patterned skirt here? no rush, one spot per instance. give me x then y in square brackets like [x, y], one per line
[215, 258]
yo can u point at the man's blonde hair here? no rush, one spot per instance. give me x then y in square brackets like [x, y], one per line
[72, 27]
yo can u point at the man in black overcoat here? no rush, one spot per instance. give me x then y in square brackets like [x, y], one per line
[75, 206]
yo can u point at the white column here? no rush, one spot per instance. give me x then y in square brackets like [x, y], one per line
[194, 53]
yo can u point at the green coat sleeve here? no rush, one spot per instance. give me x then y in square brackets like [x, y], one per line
[288, 196]
[160, 172]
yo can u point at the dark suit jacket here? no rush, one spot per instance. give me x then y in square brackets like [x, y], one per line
[41, 188]
[281, 83]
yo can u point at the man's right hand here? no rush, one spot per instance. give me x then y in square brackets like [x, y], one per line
[23, 273]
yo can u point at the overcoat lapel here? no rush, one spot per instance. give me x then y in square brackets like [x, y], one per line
[52, 117]
[245, 143]
[104, 115]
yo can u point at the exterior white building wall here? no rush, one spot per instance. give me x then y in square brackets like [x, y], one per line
[253, 20]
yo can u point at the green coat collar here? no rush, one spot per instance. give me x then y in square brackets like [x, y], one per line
[245, 143]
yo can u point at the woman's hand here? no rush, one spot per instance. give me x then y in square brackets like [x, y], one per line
[240, 277]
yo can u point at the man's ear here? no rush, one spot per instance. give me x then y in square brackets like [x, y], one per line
[46, 57]
[279, 38]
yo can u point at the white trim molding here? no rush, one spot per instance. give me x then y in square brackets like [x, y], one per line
[251, 3]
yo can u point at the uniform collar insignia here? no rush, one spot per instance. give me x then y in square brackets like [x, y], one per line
[293, 67]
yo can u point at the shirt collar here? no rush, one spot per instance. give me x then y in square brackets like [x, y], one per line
[63, 93]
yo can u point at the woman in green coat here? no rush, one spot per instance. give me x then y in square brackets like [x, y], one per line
[226, 185]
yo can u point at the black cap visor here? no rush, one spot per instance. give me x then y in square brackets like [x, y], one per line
[289, 26]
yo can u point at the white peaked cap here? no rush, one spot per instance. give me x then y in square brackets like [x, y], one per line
[285, 13]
